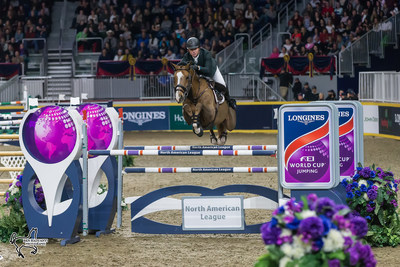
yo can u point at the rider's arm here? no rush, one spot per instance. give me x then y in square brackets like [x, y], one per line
[186, 59]
[210, 65]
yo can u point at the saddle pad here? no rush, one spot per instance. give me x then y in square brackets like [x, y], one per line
[219, 99]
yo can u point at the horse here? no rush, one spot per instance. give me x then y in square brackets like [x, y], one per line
[200, 108]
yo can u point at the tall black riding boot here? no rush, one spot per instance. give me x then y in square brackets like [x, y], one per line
[225, 91]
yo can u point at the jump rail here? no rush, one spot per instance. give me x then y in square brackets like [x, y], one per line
[183, 152]
[11, 153]
[12, 122]
[202, 170]
[210, 147]
[9, 136]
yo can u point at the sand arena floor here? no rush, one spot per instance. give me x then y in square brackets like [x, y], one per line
[124, 248]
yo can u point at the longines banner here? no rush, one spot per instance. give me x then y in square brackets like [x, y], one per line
[389, 120]
[146, 118]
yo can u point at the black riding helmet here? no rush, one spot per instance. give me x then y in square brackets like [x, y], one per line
[192, 43]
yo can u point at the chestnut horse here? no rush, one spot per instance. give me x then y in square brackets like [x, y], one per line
[200, 107]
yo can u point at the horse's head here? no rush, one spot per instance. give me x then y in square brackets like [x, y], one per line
[182, 81]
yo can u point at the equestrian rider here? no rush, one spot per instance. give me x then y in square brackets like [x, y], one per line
[203, 63]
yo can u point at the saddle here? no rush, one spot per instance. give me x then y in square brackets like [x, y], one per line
[219, 97]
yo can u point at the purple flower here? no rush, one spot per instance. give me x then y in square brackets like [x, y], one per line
[349, 187]
[365, 172]
[372, 194]
[372, 174]
[18, 184]
[20, 200]
[394, 203]
[334, 263]
[325, 206]
[365, 251]
[294, 206]
[369, 208]
[311, 228]
[348, 241]
[317, 244]
[359, 226]
[270, 234]
[356, 176]
[354, 256]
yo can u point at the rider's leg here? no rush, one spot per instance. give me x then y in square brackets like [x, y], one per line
[221, 87]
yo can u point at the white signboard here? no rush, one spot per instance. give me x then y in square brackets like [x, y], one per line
[371, 119]
[212, 213]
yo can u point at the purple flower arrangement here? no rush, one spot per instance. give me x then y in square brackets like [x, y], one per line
[372, 194]
[315, 232]
[13, 196]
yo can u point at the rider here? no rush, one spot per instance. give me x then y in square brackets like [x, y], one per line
[203, 62]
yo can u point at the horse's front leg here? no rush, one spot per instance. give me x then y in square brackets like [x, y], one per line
[197, 129]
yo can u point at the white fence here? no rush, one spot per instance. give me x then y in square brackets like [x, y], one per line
[379, 86]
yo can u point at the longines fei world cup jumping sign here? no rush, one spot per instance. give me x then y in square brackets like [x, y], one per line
[308, 141]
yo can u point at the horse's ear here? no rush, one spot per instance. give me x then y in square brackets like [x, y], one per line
[174, 66]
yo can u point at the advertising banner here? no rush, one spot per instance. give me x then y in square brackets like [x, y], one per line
[256, 117]
[146, 118]
[389, 120]
[176, 120]
[371, 120]
[308, 141]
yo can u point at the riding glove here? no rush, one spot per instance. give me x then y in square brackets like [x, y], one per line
[195, 67]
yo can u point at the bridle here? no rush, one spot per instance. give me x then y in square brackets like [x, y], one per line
[185, 90]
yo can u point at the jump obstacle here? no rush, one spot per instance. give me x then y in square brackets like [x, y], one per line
[268, 198]
[11, 156]
[144, 225]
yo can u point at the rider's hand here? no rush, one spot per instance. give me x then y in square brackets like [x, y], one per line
[195, 67]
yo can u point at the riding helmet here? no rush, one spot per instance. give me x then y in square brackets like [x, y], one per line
[192, 43]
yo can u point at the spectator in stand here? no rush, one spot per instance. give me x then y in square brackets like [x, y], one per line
[331, 96]
[300, 97]
[307, 92]
[170, 55]
[105, 55]
[119, 56]
[283, 52]
[342, 95]
[321, 96]
[285, 81]
[314, 94]
[351, 95]
[111, 40]
[297, 88]
[275, 53]
[81, 39]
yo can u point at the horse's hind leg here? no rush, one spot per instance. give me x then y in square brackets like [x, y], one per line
[213, 138]
[222, 134]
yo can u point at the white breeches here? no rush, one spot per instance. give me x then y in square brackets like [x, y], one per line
[218, 77]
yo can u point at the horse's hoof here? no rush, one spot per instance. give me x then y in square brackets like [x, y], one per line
[222, 141]
[199, 133]
[213, 140]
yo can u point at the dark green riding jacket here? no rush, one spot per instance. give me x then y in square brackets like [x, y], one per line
[207, 63]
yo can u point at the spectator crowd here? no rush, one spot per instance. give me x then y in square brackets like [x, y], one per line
[327, 27]
[160, 28]
[21, 20]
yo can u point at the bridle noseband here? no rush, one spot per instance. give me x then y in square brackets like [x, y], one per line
[185, 91]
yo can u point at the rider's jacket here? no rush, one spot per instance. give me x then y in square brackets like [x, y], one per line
[207, 63]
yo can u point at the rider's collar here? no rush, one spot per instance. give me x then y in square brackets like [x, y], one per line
[196, 59]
